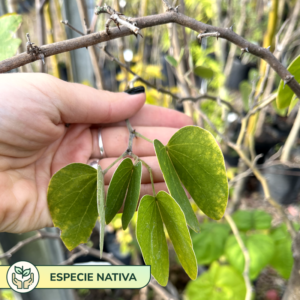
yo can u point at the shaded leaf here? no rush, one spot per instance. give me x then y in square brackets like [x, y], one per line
[72, 202]
[204, 72]
[9, 24]
[219, 283]
[133, 195]
[101, 206]
[293, 104]
[151, 238]
[117, 189]
[285, 94]
[174, 185]
[209, 243]
[260, 248]
[282, 260]
[245, 89]
[252, 219]
[26, 272]
[200, 166]
[18, 270]
[174, 220]
[171, 60]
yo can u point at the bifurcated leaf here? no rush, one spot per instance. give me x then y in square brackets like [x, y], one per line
[199, 163]
[151, 238]
[72, 202]
[174, 185]
[174, 220]
[133, 195]
[101, 206]
[117, 189]
[220, 282]
[260, 248]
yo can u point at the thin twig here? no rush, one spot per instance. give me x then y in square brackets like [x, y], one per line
[40, 235]
[245, 254]
[150, 21]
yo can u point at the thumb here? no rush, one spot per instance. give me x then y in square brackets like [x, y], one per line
[78, 103]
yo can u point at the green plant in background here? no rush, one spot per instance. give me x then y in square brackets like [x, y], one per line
[217, 247]
[9, 24]
[191, 158]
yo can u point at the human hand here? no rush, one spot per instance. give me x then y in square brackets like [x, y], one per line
[16, 281]
[28, 282]
[34, 142]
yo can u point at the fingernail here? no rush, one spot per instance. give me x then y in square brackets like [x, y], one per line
[135, 90]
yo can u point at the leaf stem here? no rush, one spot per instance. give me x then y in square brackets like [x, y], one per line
[112, 164]
[143, 137]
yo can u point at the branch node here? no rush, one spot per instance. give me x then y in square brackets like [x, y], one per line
[287, 79]
[208, 34]
[243, 51]
[34, 50]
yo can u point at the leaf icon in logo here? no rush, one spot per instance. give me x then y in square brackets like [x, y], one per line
[26, 272]
[18, 270]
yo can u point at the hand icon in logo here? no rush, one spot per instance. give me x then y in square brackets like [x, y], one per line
[16, 281]
[28, 282]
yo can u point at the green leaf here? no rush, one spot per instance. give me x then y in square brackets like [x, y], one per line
[199, 163]
[245, 89]
[174, 220]
[26, 272]
[209, 244]
[151, 238]
[282, 260]
[252, 219]
[260, 248]
[117, 189]
[18, 270]
[174, 185]
[204, 72]
[219, 283]
[171, 60]
[293, 104]
[101, 206]
[72, 203]
[285, 94]
[9, 24]
[133, 195]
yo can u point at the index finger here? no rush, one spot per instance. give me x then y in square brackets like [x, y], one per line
[151, 115]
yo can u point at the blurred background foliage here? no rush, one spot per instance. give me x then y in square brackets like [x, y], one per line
[172, 57]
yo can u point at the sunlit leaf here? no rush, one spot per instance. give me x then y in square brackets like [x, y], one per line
[203, 72]
[200, 166]
[9, 24]
[293, 104]
[101, 206]
[72, 203]
[133, 195]
[117, 189]
[174, 185]
[285, 94]
[174, 220]
[219, 283]
[151, 238]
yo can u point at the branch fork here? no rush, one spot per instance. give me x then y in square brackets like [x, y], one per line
[208, 34]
